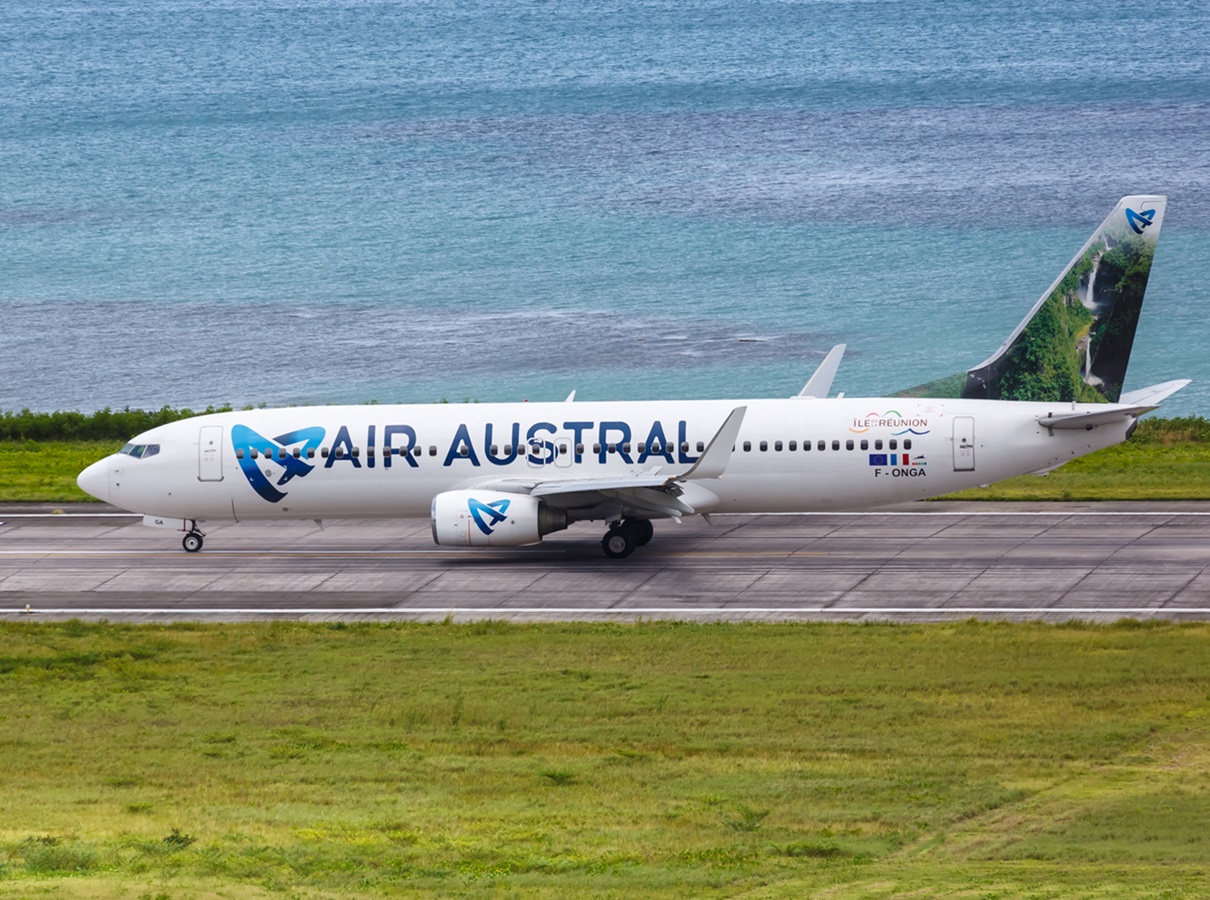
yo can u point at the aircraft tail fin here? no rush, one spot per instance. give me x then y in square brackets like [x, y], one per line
[1075, 343]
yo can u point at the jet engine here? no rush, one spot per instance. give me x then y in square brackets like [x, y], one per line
[492, 519]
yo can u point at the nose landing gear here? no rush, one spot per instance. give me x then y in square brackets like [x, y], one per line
[192, 541]
[622, 537]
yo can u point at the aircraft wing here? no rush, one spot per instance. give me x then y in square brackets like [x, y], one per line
[646, 491]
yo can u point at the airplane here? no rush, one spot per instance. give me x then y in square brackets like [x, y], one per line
[508, 474]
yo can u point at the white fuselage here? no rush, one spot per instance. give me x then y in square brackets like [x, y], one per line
[393, 460]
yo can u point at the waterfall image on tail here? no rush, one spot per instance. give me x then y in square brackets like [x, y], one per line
[1075, 343]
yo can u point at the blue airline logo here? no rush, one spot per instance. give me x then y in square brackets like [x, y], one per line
[1139, 221]
[495, 511]
[280, 451]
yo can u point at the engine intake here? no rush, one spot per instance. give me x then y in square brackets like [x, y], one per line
[492, 519]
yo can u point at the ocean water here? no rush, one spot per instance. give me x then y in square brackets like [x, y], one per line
[306, 202]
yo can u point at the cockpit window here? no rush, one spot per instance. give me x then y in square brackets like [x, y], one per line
[140, 451]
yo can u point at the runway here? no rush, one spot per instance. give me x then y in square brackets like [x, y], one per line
[922, 562]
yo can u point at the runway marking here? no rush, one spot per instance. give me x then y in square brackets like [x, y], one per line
[616, 611]
[96, 515]
[543, 554]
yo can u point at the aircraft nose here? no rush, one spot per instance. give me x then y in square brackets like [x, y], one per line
[95, 480]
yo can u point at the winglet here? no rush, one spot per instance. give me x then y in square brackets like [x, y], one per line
[821, 381]
[713, 461]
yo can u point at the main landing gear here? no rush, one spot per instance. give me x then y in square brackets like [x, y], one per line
[192, 541]
[622, 537]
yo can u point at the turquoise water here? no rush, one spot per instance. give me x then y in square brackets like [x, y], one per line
[339, 202]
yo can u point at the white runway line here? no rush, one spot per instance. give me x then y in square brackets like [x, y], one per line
[615, 611]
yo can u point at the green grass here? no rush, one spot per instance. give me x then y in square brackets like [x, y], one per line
[45, 471]
[662, 759]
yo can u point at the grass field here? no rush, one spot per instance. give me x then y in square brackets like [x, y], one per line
[280, 759]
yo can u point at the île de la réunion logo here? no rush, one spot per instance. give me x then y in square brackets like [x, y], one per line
[292, 452]
[893, 420]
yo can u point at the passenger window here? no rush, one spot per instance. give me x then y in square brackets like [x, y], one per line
[865, 445]
[764, 446]
[298, 452]
[323, 452]
[310, 453]
[701, 446]
[806, 445]
[835, 445]
[432, 449]
[822, 445]
[492, 450]
[613, 448]
[684, 446]
[256, 455]
[626, 447]
[777, 446]
[747, 446]
[508, 449]
[907, 443]
[281, 453]
[878, 444]
[894, 444]
[793, 446]
[579, 449]
[239, 452]
[340, 452]
[463, 451]
[417, 451]
[596, 448]
[848, 445]
[643, 447]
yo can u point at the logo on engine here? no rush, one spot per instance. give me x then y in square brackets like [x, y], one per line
[495, 511]
[277, 451]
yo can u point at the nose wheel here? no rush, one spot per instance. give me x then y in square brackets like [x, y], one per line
[192, 542]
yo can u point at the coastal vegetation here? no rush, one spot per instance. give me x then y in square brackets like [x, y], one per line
[1165, 459]
[654, 759]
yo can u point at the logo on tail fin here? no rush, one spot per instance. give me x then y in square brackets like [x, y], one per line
[1139, 221]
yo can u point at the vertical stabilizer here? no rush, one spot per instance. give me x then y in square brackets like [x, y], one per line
[1075, 343]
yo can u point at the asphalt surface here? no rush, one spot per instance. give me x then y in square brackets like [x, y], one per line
[920, 562]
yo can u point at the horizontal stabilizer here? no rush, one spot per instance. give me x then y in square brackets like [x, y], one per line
[821, 381]
[1155, 393]
[1089, 420]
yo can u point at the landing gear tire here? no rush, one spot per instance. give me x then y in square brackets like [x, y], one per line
[643, 530]
[619, 542]
[192, 542]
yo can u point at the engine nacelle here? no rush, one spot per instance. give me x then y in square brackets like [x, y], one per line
[492, 519]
